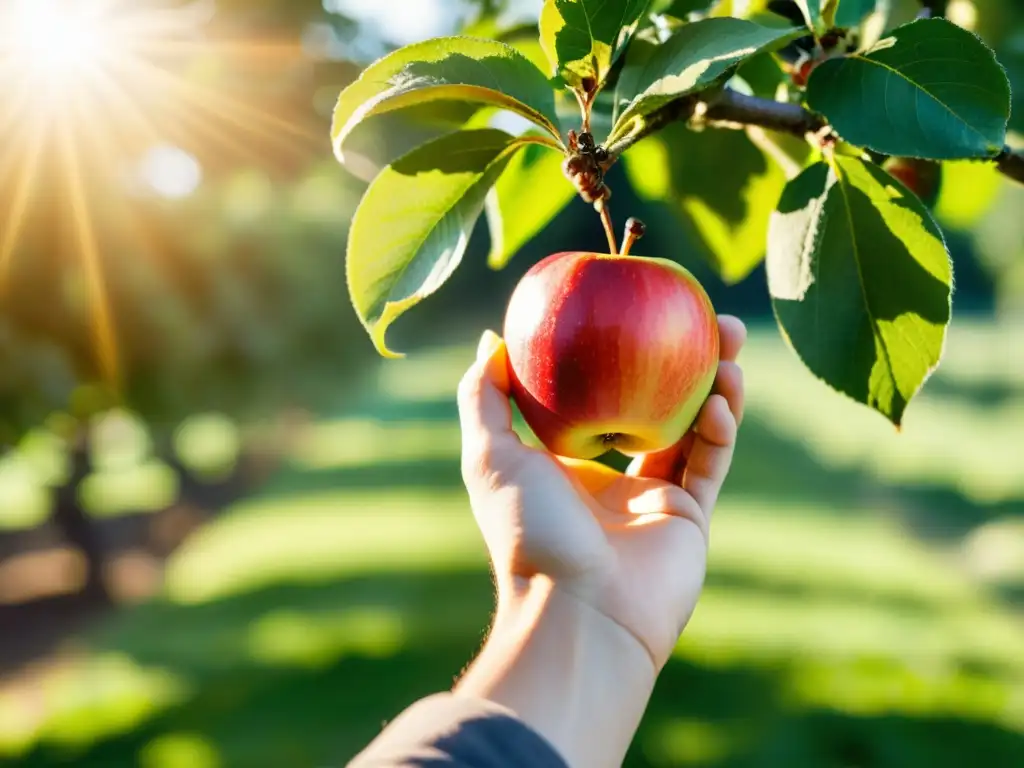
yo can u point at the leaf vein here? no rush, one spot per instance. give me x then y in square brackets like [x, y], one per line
[897, 73]
[872, 321]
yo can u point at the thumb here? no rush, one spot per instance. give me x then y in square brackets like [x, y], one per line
[485, 413]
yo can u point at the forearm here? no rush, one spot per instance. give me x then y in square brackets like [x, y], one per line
[567, 671]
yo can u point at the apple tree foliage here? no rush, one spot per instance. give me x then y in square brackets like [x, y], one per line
[784, 130]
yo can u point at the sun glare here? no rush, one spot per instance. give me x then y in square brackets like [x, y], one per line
[54, 43]
[100, 91]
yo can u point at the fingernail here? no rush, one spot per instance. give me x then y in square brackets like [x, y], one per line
[489, 342]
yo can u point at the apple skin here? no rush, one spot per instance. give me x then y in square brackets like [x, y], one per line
[610, 352]
[922, 177]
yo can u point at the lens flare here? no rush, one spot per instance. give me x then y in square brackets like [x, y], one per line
[53, 43]
[91, 89]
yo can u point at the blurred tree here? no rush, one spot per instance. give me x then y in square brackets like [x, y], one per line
[174, 235]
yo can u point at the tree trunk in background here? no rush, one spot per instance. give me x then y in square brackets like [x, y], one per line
[80, 530]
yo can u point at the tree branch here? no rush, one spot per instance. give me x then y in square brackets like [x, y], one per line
[727, 108]
[730, 108]
[1011, 164]
[680, 110]
[734, 107]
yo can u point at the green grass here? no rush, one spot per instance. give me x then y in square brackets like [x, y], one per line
[856, 609]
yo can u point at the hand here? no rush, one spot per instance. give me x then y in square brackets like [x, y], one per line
[597, 571]
[633, 546]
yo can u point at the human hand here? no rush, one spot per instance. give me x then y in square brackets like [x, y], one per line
[597, 571]
[633, 545]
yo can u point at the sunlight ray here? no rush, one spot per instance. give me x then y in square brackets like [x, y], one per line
[98, 149]
[193, 126]
[266, 51]
[222, 105]
[14, 106]
[85, 237]
[16, 217]
[91, 86]
[123, 105]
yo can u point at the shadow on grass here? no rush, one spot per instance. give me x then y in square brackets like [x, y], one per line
[367, 647]
[723, 578]
[1013, 594]
[417, 410]
[429, 474]
[982, 394]
[303, 675]
[767, 465]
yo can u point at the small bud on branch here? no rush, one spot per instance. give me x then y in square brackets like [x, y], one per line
[1011, 164]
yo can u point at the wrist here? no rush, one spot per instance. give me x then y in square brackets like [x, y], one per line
[564, 668]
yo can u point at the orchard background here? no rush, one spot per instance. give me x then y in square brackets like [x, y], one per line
[231, 534]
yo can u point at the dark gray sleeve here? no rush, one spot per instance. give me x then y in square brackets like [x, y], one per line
[447, 731]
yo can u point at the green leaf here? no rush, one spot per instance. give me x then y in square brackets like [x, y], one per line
[412, 226]
[860, 281]
[742, 9]
[811, 11]
[829, 9]
[520, 34]
[1011, 56]
[583, 38]
[929, 89]
[763, 75]
[820, 16]
[461, 69]
[528, 45]
[697, 56]
[852, 12]
[722, 188]
[873, 24]
[529, 194]
[378, 140]
[680, 9]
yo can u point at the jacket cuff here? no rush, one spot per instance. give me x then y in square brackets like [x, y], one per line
[446, 729]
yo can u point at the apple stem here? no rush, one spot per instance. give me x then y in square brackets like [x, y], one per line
[609, 229]
[635, 229]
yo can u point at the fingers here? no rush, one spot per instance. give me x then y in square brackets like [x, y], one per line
[664, 499]
[729, 384]
[669, 465]
[732, 334]
[729, 379]
[701, 460]
[664, 465]
[711, 454]
[485, 413]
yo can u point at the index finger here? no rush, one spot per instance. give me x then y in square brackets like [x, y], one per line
[485, 413]
[732, 333]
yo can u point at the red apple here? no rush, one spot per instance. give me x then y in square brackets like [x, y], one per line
[610, 352]
[922, 177]
[802, 72]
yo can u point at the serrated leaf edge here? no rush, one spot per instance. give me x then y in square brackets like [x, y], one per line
[377, 329]
[628, 121]
[897, 423]
[340, 132]
[889, 40]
